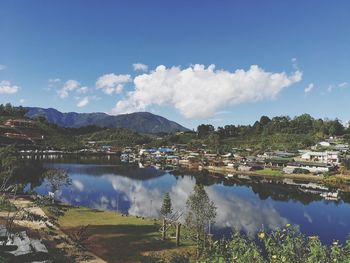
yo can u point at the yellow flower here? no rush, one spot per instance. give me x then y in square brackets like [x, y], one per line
[335, 243]
[261, 235]
[313, 237]
[274, 257]
[283, 258]
[287, 225]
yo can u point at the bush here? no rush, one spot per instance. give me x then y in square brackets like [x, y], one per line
[284, 245]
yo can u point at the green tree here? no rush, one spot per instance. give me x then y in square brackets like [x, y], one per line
[336, 128]
[204, 129]
[213, 142]
[201, 212]
[166, 208]
[264, 120]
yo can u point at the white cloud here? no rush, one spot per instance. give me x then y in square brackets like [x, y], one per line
[78, 185]
[83, 90]
[237, 212]
[7, 88]
[69, 86]
[334, 87]
[2, 67]
[54, 80]
[84, 101]
[309, 88]
[52, 83]
[233, 211]
[112, 83]
[295, 63]
[343, 84]
[140, 66]
[308, 217]
[198, 91]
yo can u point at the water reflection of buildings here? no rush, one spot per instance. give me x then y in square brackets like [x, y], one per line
[285, 189]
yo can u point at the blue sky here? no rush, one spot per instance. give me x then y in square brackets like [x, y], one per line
[79, 56]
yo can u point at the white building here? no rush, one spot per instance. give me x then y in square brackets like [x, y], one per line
[331, 157]
[324, 144]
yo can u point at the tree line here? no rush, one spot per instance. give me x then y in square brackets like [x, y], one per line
[9, 110]
[303, 124]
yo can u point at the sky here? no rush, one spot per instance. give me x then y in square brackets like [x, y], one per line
[219, 62]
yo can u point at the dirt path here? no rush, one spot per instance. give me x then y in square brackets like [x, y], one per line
[49, 231]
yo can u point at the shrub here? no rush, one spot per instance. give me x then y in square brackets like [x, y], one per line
[284, 245]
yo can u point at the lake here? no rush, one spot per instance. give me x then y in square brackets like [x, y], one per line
[243, 203]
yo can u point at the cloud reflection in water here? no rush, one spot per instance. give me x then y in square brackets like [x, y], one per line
[144, 198]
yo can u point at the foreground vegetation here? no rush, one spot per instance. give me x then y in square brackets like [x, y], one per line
[285, 245]
[118, 238]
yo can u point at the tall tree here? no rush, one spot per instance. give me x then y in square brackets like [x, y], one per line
[201, 212]
[166, 208]
[204, 129]
[264, 120]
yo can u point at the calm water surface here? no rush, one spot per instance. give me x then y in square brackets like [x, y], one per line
[242, 204]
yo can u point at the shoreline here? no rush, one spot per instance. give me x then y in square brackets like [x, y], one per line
[338, 181]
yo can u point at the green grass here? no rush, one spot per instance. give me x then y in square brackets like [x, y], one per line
[269, 171]
[117, 238]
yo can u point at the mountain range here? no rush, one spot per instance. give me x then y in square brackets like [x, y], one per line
[142, 122]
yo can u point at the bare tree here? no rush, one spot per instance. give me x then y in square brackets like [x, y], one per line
[57, 178]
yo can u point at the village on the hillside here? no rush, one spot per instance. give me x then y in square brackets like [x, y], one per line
[323, 158]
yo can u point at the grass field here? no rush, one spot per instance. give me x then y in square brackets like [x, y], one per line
[269, 171]
[117, 238]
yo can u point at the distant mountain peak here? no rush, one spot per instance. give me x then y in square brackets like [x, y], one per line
[143, 122]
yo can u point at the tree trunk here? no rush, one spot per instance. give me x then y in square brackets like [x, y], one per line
[178, 226]
[163, 230]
